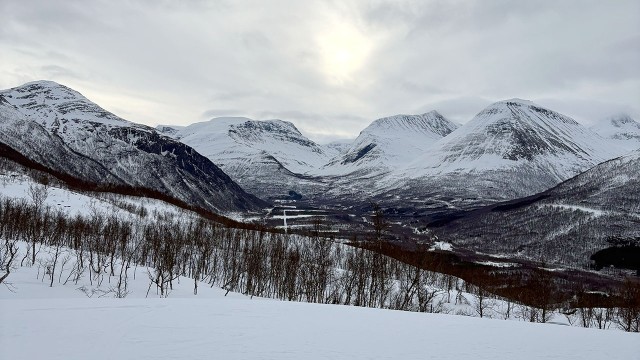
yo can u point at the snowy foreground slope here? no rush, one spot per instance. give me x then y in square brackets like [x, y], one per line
[39, 322]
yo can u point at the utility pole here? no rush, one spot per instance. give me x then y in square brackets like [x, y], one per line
[285, 220]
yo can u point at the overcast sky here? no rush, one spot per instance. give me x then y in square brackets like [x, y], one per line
[330, 67]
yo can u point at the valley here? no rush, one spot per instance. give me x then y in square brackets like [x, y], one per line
[251, 180]
[519, 200]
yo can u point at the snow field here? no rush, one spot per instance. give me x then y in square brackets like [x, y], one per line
[63, 323]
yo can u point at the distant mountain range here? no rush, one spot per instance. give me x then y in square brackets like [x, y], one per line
[568, 188]
[388, 144]
[511, 149]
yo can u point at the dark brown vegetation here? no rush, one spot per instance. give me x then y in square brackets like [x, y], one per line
[591, 296]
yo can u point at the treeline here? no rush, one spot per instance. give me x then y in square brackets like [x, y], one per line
[252, 262]
[551, 233]
[11, 160]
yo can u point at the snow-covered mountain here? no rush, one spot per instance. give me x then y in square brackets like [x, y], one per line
[268, 158]
[570, 222]
[511, 149]
[134, 154]
[621, 129]
[339, 146]
[24, 141]
[169, 130]
[390, 143]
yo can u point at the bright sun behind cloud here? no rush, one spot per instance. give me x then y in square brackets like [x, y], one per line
[343, 51]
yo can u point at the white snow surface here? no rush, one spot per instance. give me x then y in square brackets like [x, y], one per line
[230, 140]
[621, 129]
[442, 245]
[39, 322]
[389, 143]
[511, 132]
[592, 211]
[16, 186]
[512, 148]
[62, 110]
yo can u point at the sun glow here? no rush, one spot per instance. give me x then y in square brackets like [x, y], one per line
[344, 51]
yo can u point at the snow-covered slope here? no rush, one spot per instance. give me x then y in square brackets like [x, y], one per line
[339, 146]
[135, 154]
[621, 129]
[265, 157]
[169, 130]
[389, 143]
[511, 149]
[70, 321]
[570, 221]
[276, 138]
[25, 140]
[238, 328]
[16, 185]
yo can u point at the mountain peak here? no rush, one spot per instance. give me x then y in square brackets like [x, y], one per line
[515, 138]
[43, 83]
[50, 90]
[54, 105]
[508, 112]
[430, 123]
[390, 142]
[622, 119]
[73, 134]
[232, 140]
[518, 101]
[620, 128]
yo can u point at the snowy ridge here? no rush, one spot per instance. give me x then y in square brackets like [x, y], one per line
[621, 129]
[276, 138]
[511, 149]
[27, 138]
[58, 107]
[389, 143]
[266, 157]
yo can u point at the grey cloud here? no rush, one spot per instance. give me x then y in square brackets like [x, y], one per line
[212, 113]
[55, 71]
[188, 61]
[239, 94]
